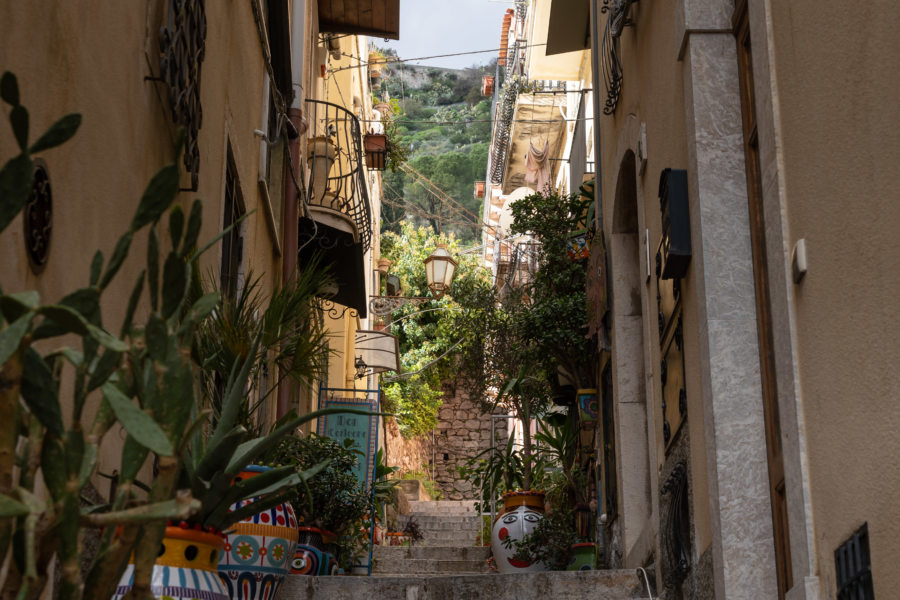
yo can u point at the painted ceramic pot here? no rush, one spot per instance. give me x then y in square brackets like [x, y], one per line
[185, 568]
[533, 499]
[258, 550]
[584, 557]
[313, 555]
[514, 524]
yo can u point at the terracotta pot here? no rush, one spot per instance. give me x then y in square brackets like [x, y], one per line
[187, 556]
[383, 108]
[259, 549]
[533, 499]
[376, 150]
[479, 189]
[487, 85]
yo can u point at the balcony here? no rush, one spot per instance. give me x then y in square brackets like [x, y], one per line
[337, 221]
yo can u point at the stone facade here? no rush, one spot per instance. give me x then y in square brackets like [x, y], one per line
[463, 431]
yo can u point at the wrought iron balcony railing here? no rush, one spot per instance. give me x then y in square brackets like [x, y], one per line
[337, 181]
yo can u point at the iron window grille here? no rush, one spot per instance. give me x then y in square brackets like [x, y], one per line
[853, 567]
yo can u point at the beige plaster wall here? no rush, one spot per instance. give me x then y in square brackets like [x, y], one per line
[836, 100]
[652, 94]
[92, 58]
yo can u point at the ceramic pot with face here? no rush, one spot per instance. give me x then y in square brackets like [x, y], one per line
[515, 524]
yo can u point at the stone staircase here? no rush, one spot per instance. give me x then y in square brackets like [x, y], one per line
[448, 564]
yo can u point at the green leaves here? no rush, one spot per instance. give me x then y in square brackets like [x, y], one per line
[158, 196]
[18, 118]
[10, 508]
[9, 89]
[11, 337]
[40, 393]
[175, 281]
[15, 186]
[136, 422]
[58, 133]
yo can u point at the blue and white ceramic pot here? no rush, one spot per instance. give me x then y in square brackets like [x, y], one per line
[259, 549]
[186, 568]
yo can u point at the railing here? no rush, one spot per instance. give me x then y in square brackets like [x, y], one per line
[337, 180]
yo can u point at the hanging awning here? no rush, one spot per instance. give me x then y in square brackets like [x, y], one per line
[569, 26]
[376, 18]
[338, 248]
[379, 350]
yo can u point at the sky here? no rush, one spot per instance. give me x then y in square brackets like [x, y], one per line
[430, 27]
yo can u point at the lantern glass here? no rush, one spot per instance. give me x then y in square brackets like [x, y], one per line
[440, 269]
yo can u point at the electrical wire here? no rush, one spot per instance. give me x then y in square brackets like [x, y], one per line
[391, 60]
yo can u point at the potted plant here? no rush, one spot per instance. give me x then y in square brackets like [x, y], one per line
[328, 506]
[376, 147]
[375, 63]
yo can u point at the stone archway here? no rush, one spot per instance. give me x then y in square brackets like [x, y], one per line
[628, 363]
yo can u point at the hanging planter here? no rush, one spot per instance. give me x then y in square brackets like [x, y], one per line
[258, 549]
[376, 146]
[185, 567]
[321, 152]
[487, 85]
[479, 189]
[375, 65]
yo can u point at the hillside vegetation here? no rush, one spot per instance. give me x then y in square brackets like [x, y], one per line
[446, 124]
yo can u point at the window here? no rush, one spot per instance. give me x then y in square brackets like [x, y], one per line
[233, 242]
[853, 567]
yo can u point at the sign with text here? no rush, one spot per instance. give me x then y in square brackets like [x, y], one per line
[361, 429]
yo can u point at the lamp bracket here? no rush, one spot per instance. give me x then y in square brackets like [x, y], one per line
[385, 305]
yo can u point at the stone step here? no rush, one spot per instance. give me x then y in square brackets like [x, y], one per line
[481, 553]
[558, 585]
[441, 522]
[442, 507]
[429, 566]
[451, 537]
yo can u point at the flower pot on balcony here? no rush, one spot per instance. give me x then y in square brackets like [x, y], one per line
[487, 85]
[383, 265]
[321, 153]
[479, 189]
[375, 65]
[383, 108]
[185, 567]
[258, 549]
[376, 150]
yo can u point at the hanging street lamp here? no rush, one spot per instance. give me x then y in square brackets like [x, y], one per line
[440, 268]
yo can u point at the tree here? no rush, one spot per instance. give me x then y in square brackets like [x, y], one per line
[425, 331]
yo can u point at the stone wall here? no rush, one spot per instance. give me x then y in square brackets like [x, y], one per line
[410, 455]
[462, 432]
